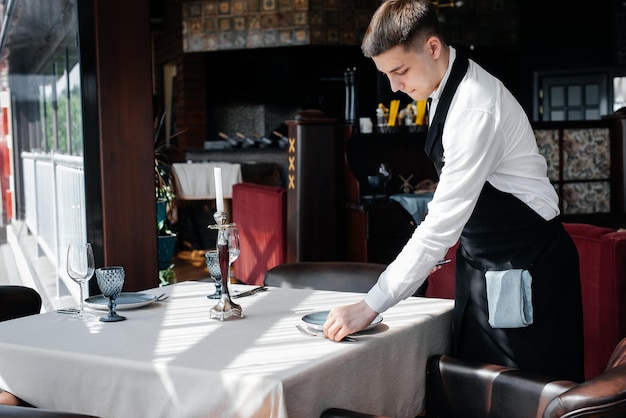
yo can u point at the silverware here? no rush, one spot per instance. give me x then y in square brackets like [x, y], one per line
[249, 292]
[312, 332]
[68, 311]
[161, 297]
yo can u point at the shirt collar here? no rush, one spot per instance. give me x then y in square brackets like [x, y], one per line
[435, 95]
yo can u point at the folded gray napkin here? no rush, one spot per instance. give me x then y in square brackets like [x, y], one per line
[509, 298]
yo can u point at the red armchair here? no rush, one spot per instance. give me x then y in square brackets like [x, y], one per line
[259, 211]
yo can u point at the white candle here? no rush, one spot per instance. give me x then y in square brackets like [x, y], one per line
[219, 193]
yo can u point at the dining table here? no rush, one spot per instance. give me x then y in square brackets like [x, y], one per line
[169, 358]
[416, 204]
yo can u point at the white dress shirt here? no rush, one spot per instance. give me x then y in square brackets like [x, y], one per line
[486, 137]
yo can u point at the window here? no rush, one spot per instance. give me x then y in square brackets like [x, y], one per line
[569, 97]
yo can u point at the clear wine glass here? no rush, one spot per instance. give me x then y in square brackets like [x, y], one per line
[80, 266]
[111, 281]
[213, 264]
[234, 248]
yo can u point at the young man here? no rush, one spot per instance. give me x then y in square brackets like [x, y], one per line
[493, 196]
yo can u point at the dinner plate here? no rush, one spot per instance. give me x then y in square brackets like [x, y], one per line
[126, 300]
[317, 319]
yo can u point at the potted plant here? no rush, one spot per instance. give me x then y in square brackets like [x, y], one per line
[164, 193]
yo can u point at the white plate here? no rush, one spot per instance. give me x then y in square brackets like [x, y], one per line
[316, 320]
[126, 300]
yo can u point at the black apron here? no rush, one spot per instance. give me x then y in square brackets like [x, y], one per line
[503, 233]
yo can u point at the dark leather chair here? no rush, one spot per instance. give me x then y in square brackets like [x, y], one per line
[340, 276]
[17, 301]
[455, 388]
[24, 412]
[345, 413]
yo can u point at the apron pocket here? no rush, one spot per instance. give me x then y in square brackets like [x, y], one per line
[509, 298]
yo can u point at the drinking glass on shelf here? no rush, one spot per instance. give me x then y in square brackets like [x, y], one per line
[80, 266]
[111, 281]
[213, 264]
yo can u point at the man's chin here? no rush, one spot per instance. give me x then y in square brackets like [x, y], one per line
[413, 96]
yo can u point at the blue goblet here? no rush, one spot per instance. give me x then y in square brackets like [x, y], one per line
[110, 282]
[213, 264]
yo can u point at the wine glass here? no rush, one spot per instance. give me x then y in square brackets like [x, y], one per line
[110, 281]
[213, 264]
[80, 267]
[234, 249]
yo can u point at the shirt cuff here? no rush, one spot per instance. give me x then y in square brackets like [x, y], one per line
[378, 300]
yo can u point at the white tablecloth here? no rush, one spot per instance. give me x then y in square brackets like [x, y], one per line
[196, 181]
[169, 359]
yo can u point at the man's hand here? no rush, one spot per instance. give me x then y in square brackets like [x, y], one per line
[7, 398]
[345, 320]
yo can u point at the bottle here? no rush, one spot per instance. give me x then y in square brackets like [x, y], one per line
[365, 125]
[381, 119]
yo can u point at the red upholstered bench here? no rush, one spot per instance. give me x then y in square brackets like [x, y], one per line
[602, 254]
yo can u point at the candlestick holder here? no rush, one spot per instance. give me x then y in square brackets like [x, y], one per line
[225, 308]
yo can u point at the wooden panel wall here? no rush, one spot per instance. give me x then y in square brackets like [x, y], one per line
[124, 87]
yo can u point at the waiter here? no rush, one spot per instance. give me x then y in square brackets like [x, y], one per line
[517, 292]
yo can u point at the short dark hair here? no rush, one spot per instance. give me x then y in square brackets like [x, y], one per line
[400, 22]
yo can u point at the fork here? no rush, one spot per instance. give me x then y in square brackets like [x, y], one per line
[311, 332]
[67, 310]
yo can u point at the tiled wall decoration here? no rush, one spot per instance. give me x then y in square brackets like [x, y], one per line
[586, 197]
[586, 154]
[548, 143]
[579, 166]
[212, 25]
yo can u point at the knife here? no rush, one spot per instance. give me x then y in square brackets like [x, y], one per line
[250, 292]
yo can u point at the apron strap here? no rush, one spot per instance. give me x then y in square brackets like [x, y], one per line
[434, 146]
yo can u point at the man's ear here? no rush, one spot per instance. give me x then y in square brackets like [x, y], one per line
[433, 46]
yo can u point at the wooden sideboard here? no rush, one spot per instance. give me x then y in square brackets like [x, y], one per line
[376, 227]
[332, 212]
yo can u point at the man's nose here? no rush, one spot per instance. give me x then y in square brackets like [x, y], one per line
[395, 84]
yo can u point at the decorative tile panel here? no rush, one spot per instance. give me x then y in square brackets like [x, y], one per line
[579, 167]
[586, 154]
[238, 24]
[586, 197]
[548, 143]
[209, 8]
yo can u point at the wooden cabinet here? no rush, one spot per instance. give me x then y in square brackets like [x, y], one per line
[376, 231]
[376, 227]
[332, 211]
[313, 188]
